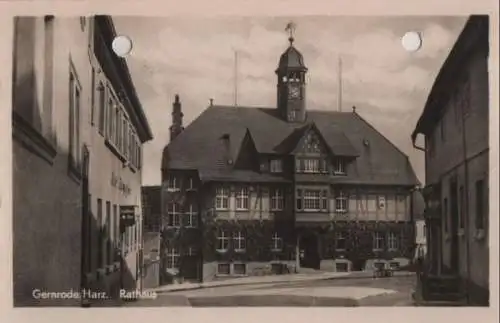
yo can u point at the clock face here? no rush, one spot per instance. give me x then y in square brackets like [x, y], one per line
[294, 92]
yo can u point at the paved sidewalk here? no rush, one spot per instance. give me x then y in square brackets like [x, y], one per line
[248, 281]
[266, 280]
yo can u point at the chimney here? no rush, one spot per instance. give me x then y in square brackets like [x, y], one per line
[176, 127]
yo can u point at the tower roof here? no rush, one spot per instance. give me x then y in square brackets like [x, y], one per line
[291, 59]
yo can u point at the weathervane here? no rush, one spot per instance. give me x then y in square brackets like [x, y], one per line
[290, 27]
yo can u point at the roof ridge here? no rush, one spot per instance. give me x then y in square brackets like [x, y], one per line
[381, 134]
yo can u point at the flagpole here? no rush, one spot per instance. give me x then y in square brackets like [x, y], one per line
[339, 95]
[235, 78]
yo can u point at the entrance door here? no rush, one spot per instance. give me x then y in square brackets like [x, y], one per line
[309, 251]
[454, 227]
[190, 267]
[86, 221]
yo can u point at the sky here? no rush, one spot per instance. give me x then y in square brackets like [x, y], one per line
[194, 57]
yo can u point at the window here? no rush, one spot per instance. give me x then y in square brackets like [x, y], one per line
[119, 127]
[239, 242]
[463, 209]
[277, 242]
[192, 217]
[92, 98]
[378, 241]
[445, 215]
[341, 202]
[124, 143]
[299, 204]
[311, 165]
[222, 198]
[392, 241]
[116, 123]
[312, 200]
[172, 184]
[394, 265]
[240, 269]
[424, 231]
[191, 251]
[276, 166]
[338, 166]
[172, 258]
[102, 107]
[174, 217]
[277, 200]
[222, 241]
[139, 156]
[324, 200]
[100, 235]
[34, 65]
[340, 241]
[480, 202]
[110, 124]
[381, 202]
[223, 269]
[74, 122]
[242, 199]
[191, 184]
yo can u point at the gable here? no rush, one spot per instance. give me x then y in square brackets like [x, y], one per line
[311, 144]
[247, 157]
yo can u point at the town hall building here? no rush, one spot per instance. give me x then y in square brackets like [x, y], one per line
[247, 190]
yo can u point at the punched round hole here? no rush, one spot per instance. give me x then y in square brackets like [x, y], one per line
[122, 45]
[412, 41]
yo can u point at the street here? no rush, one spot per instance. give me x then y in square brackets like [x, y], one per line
[343, 291]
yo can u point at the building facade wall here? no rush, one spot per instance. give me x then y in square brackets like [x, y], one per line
[465, 160]
[53, 126]
[47, 198]
[114, 179]
[369, 210]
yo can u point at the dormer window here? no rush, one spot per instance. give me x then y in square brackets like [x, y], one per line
[276, 166]
[339, 167]
[172, 183]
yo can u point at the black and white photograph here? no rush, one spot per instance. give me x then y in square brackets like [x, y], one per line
[251, 161]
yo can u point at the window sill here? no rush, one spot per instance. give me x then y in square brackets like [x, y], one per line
[341, 250]
[222, 275]
[461, 232]
[221, 250]
[276, 250]
[191, 189]
[221, 209]
[240, 250]
[101, 273]
[32, 140]
[341, 211]
[393, 249]
[243, 210]
[377, 250]
[276, 210]
[173, 189]
[114, 150]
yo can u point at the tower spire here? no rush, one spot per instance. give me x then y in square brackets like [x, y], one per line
[290, 27]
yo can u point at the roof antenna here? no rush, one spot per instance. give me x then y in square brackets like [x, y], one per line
[211, 102]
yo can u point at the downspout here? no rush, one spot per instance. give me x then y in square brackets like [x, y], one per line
[466, 184]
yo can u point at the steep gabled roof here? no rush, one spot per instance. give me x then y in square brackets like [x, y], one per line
[199, 147]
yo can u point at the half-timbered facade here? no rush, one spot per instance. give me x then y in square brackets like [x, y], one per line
[247, 189]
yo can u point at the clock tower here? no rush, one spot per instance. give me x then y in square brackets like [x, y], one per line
[291, 87]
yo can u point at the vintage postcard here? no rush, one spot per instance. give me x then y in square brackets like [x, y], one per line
[252, 161]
